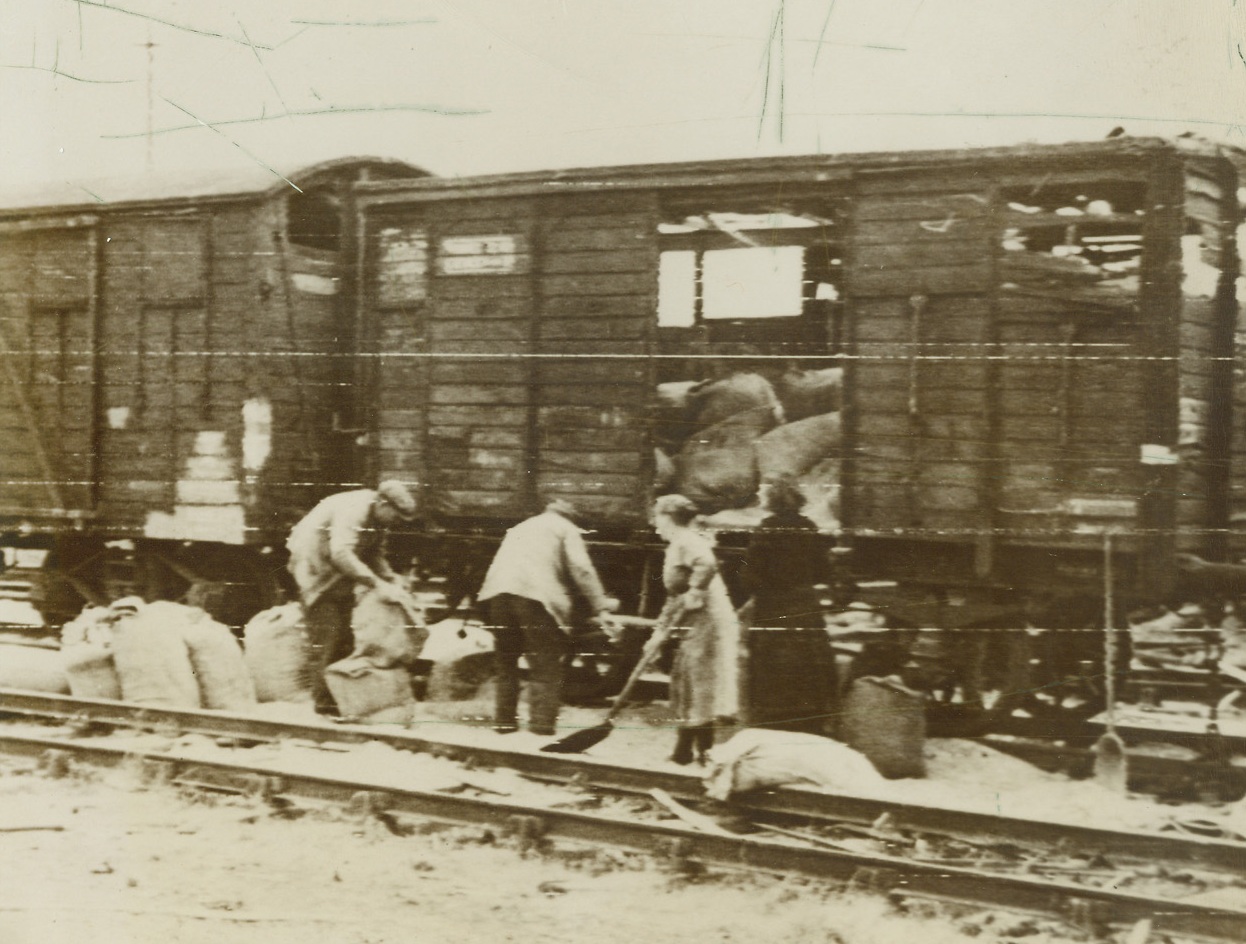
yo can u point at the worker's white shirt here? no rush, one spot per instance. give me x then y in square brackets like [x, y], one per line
[545, 559]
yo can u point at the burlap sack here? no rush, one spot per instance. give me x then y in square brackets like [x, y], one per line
[386, 633]
[718, 466]
[366, 692]
[792, 450]
[806, 393]
[717, 400]
[153, 662]
[224, 679]
[277, 655]
[756, 758]
[33, 669]
[91, 672]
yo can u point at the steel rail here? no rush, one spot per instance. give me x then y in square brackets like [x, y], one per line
[777, 806]
[1084, 906]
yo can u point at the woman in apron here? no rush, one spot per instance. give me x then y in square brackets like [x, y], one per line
[704, 678]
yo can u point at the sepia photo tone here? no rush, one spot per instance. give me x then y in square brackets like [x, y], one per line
[584, 470]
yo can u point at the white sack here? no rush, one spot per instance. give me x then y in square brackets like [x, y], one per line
[757, 758]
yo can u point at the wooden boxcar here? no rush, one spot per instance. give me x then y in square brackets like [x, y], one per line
[1037, 345]
[176, 378]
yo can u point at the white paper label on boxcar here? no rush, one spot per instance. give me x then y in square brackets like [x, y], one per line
[314, 284]
[480, 255]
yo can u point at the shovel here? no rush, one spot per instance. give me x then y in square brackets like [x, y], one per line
[1111, 769]
[579, 741]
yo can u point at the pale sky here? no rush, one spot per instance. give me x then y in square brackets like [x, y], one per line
[483, 86]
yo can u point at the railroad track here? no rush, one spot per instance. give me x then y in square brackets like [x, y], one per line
[905, 850]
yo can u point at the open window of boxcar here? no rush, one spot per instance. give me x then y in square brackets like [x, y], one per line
[748, 277]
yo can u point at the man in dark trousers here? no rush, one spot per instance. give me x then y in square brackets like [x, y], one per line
[541, 565]
[338, 548]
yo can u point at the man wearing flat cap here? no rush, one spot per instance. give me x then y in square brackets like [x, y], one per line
[539, 569]
[337, 549]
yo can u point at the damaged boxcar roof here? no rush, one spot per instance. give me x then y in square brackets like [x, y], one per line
[820, 167]
[248, 181]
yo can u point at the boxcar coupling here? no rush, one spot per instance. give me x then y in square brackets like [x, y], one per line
[975, 363]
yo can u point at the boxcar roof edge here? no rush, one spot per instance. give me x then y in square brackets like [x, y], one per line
[736, 171]
[187, 190]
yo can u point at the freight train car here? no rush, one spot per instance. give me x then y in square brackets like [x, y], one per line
[176, 380]
[1036, 346]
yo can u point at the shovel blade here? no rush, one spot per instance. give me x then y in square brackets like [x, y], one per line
[579, 741]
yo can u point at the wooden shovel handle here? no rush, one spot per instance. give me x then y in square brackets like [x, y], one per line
[652, 649]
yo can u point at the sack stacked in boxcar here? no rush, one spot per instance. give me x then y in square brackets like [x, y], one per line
[809, 447]
[717, 467]
[32, 669]
[277, 654]
[806, 393]
[741, 440]
[86, 655]
[152, 659]
[791, 450]
[674, 419]
[742, 392]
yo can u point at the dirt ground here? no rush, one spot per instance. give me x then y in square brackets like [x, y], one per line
[118, 861]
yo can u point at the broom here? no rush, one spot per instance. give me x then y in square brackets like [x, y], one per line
[1111, 769]
[579, 741]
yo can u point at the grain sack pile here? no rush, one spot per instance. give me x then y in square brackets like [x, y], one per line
[163, 654]
[721, 440]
